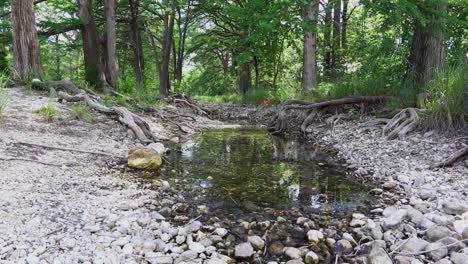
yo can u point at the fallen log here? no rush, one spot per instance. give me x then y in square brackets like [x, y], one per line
[279, 123]
[452, 159]
[134, 122]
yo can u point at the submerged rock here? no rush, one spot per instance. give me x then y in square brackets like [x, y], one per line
[257, 242]
[292, 253]
[144, 158]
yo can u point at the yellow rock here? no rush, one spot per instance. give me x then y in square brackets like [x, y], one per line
[143, 158]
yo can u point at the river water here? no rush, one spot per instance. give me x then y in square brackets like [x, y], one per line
[237, 171]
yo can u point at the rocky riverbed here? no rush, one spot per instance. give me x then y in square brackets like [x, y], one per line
[61, 206]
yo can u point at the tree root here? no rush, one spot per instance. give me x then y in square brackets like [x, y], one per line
[455, 157]
[35, 161]
[134, 122]
[279, 123]
[180, 99]
[402, 123]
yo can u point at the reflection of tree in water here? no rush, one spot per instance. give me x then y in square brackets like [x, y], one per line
[250, 166]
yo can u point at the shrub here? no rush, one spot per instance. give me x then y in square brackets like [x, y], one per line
[445, 101]
[49, 112]
[3, 97]
[81, 111]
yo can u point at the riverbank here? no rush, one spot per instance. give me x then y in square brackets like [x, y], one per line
[426, 210]
[72, 206]
[61, 206]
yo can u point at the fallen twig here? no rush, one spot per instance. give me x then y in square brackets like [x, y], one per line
[66, 149]
[31, 160]
[458, 155]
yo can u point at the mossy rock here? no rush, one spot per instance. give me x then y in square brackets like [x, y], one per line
[144, 158]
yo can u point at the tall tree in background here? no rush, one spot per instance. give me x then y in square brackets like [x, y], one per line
[335, 56]
[309, 73]
[427, 55]
[93, 71]
[137, 45]
[26, 52]
[110, 54]
[327, 44]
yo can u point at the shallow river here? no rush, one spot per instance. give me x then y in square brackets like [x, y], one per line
[240, 170]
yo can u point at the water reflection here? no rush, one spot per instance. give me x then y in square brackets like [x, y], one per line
[248, 168]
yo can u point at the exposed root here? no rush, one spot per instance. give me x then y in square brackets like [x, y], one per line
[180, 99]
[455, 157]
[402, 123]
[134, 122]
[279, 123]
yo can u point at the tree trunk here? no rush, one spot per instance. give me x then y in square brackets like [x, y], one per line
[111, 68]
[427, 55]
[327, 39]
[137, 46]
[164, 81]
[93, 71]
[344, 29]
[309, 73]
[245, 79]
[336, 37]
[26, 51]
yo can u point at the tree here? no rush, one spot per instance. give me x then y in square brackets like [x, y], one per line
[90, 39]
[26, 52]
[137, 45]
[335, 56]
[309, 75]
[110, 53]
[427, 55]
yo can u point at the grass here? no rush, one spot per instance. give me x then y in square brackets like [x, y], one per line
[48, 112]
[81, 111]
[3, 97]
[445, 101]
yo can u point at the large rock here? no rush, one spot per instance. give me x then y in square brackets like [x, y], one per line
[413, 245]
[436, 250]
[311, 258]
[243, 251]
[342, 247]
[314, 236]
[407, 260]
[257, 242]
[454, 207]
[379, 256]
[144, 158]
[438, 232]
[292, 253]
[395, 219]
[460, 226]
[459, 258]
[159, 147]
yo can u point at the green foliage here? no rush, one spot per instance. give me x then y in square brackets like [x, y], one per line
[3, 96]
[446, 100]
[49, 112]
[81, 111]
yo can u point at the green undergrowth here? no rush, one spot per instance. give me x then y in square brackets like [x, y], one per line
[446, 101]
[49, 112]
[3, 96]
[81, 111]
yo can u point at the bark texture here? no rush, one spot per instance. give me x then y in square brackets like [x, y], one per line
[110, 64]
[26, 51]
[169, 17]
[309, 74]
[137, 45]
[93, 71]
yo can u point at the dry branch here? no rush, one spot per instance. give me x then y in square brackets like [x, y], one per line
[458, 155]
[134, 122]
[64, 149]
[279, 123]
[31, 160]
